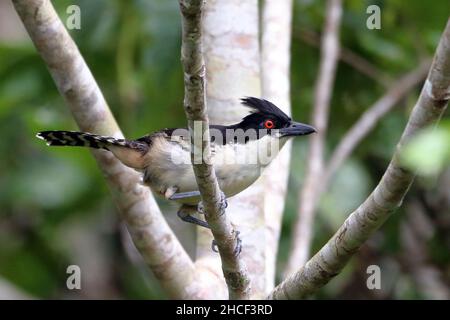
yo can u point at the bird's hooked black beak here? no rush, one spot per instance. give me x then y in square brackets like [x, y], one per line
[297, 129]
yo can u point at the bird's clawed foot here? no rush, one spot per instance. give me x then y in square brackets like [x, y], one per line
[184, 213]
[237, 250]
[214, 246]
[223, 204]
[200, 208]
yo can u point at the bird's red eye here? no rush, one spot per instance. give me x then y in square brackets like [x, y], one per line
[268, 124]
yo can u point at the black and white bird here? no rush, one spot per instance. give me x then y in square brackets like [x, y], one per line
[239, 152]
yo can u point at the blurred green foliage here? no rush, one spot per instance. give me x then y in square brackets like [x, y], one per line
[428, 153]
[133, 48]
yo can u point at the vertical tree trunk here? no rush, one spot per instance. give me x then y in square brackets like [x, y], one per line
[232, 62]
[225, 236]
[275, 71]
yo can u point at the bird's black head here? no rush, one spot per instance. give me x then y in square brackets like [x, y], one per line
[268, 117]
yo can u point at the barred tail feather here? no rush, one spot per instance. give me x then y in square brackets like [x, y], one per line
[84, 139]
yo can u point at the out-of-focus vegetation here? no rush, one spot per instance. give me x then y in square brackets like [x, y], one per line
[429, 152]
[55, 209]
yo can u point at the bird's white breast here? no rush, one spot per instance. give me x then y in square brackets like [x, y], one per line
[237, 165]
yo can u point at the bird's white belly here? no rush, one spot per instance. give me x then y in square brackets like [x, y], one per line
[236, 178]
[170, 168]
[232, 179]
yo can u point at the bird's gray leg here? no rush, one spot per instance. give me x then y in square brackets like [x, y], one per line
[238, 248]
[184, 213]
[222, 206]
[184, 195]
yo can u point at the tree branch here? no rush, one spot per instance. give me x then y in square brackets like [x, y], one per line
[369, 119]
[330, 51]
[233, 267]
[150, 233]
[275, 67]
[386, 197]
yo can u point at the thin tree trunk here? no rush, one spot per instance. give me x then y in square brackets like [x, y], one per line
[275, 77]
[234, 269]
[232, 62]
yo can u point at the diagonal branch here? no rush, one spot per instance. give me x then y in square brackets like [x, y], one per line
[386, 197]
[370, 118]
[234, 269]
[152, 236]
[330, 52]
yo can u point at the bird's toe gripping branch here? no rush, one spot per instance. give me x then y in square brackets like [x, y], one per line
[223, 204]
[185, 214]
[237, 249]
[200, 208]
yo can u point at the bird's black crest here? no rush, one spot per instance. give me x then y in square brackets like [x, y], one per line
[264, 107]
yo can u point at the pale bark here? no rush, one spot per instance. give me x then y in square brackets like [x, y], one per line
[275, 78]
[231, 51]
[8, 291]
[152, 236]
[386, 197]
[233, 266]
[302, 233]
